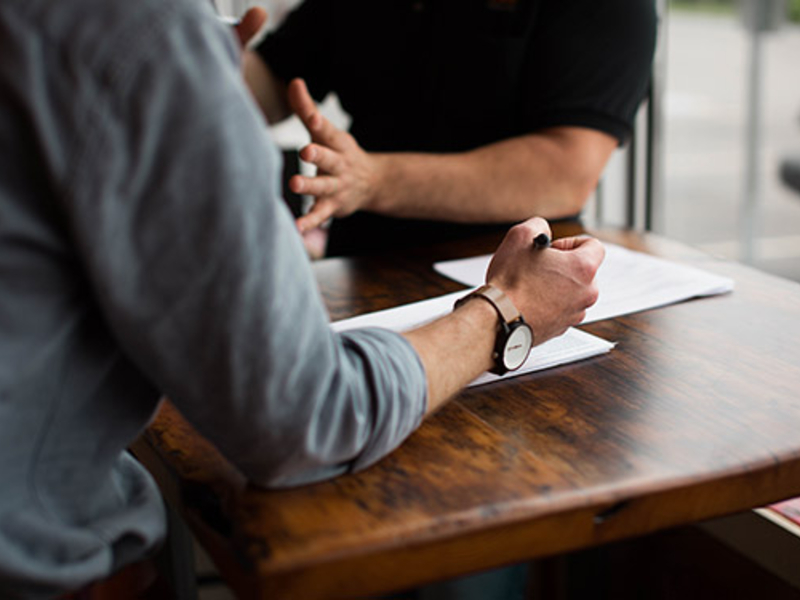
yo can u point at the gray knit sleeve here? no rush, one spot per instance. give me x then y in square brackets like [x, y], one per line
[175, 206]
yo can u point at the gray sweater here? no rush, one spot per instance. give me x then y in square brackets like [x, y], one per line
[145, 250]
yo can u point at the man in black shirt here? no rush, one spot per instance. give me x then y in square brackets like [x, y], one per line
[465, 112]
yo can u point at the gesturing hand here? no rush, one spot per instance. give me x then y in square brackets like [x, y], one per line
[346, 174]
[552, 287]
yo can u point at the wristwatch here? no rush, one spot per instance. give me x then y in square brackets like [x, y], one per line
[514, 335]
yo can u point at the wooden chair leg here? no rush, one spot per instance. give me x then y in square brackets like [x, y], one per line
[176, 558]
[139, 581]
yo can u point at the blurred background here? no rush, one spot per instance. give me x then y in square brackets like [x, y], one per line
[729, 115]
[707, 148]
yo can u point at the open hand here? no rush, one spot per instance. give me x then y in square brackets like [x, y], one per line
[346, 175]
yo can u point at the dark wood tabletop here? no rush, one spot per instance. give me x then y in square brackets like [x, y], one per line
[694, 414]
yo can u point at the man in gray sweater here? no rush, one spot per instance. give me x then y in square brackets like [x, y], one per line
[145, 251]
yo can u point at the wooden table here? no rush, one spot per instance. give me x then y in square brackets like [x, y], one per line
[695, 414]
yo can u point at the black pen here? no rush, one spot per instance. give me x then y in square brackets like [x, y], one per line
[541, 241]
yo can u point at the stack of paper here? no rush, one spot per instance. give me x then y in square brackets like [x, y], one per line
[572, 346]
[628, 281]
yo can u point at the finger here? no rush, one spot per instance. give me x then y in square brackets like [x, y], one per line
[592, 295]
[303, 105]
[538, 225]
[318, 186]
[319, 213]
[573, 242]
[323, 158]
[590, 250]
[250, 24]
[523, 234]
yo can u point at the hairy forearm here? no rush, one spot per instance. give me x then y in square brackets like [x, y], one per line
[455, 349]
[268, 91]
[550, 174]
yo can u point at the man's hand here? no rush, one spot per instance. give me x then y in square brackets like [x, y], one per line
[347, 176]
[551, 287]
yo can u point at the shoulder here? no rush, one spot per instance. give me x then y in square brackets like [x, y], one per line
[593, 16]
[107, 80]
[111, 37]
[621, 27]
[619, 16]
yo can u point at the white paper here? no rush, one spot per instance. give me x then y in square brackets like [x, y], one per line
[405, 316]
[628, 281]
[574, 345]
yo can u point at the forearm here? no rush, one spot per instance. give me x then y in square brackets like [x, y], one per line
[550, 174]
[268, 91]
[455, 349]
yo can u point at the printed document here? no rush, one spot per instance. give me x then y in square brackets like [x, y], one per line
[571, 346]
[628, 281]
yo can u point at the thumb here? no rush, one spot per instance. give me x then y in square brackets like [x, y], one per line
[250, 24]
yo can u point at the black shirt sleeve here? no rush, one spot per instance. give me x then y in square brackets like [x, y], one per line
[589, 64]
[451, 75]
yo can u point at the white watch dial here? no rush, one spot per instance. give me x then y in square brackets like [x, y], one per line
[517, 347]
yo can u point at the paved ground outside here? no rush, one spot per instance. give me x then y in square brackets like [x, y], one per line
[706, 107]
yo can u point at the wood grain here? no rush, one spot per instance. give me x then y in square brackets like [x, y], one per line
[694, 414]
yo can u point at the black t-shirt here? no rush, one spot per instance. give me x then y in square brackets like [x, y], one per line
[452, 75]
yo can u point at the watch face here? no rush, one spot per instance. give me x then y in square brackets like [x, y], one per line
[518, 346]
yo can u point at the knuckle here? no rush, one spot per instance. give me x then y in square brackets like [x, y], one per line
[521, 231]
[307, 186]
[582, 268]
[598, 253]
[592, 294]
[296, 184]
[601, 251]
[525, 231]
[538, 223]
[586, 267]
[309, 153]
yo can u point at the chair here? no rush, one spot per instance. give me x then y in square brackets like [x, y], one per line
[642, 168]
[790, 172]
[139, 581]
